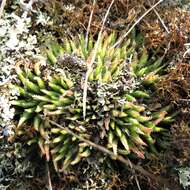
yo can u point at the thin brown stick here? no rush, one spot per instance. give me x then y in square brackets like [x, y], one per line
[127, 162]
[3, 3]
[138, 20]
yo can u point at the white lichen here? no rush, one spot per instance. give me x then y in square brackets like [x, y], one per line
[16, 43]
[6, 115]
[184, 177]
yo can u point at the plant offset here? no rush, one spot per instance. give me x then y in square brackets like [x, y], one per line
[117, 116]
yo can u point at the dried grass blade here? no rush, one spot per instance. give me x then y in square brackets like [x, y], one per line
[89, 24]
[91, 60]
[138, 20]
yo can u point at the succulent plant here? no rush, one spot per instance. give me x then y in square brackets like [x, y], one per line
[116, 115]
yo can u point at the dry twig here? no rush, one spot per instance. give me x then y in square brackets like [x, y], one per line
[132, 27]
[126, 162]
[48, 177]
[161, 20]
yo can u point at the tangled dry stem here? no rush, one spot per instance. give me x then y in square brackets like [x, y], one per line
[175, 86]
